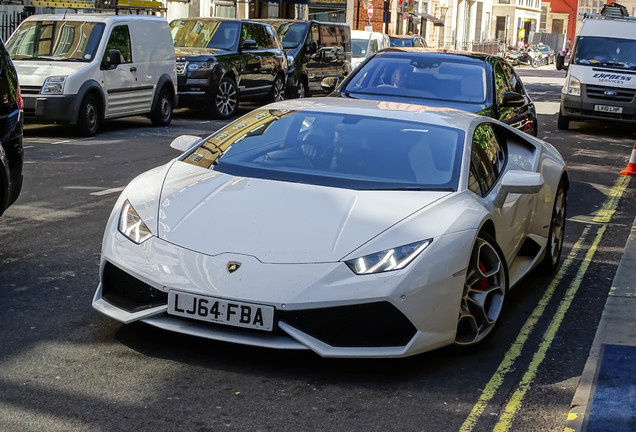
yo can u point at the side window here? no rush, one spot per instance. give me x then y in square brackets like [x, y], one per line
[501, 82]
[487, 159]
[513, 79]
[374, 46]
[256, 33]
[314, 35]
[273, 39]
[328, 36]
[120, 40]
[344, 38]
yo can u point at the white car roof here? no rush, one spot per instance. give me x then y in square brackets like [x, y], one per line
[101, 17]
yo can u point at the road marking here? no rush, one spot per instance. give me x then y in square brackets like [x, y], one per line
[609, 207]
[506, 365]
[514, 352]
[505, 421]
[109, 191]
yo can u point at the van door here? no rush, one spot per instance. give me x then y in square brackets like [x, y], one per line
[124, 95]
[332, 61]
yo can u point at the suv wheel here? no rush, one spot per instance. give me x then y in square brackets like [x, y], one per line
[89, 118]
[278, 89]
[226, 99]
[302, 91]
[162, 114]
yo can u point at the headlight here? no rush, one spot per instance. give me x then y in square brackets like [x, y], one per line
[131, 225]
[573, 87]
[391, 259]
[192, 66]
[290, 60]
[53, 85]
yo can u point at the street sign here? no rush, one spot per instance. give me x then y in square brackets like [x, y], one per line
[370, 10]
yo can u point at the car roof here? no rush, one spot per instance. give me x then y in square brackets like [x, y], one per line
[91, 17]
[441, 116]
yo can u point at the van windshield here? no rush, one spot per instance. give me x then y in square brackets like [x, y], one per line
[55, 40]
[604, 51]
[195, 33]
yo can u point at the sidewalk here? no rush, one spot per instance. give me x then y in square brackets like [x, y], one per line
[605, 399]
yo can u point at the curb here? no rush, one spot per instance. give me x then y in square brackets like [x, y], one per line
[617, 327]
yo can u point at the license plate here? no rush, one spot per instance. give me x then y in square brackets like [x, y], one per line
[220, 311]
[608, 108]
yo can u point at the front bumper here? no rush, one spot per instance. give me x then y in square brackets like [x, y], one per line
[323, 307]
[49, 109]
[582, 107]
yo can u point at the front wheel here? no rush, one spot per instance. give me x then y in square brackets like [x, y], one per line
[302, 91]
[485, 293]
[225, 100]
[278, 89]
[162, 114]
[557, 230]
[89, 117]
[535, 63]
[563, 122]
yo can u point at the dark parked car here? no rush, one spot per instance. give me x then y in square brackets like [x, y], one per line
[408, 41]
[223, 61]
[11, 121]
[315, 50]
[475, 82]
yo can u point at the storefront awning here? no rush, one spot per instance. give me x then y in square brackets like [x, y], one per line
[436, 21]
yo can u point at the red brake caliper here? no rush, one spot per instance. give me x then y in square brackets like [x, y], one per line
[483, 283]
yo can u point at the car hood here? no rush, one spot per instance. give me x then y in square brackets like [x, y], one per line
[197, 52]
[34, 72]
[276, 221]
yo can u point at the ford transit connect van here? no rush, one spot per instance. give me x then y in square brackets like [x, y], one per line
[80, 69]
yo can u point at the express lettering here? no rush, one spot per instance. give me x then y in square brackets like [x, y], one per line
[605, 77]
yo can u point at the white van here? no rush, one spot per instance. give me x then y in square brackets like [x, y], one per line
[80, 69]
[601, 76]
[365, 43]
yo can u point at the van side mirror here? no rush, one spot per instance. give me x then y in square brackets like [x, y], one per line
[311, 47]
[249, 44]
[112, 59]
[518, 182]
[559, 62]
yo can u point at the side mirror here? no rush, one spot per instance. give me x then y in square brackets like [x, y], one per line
[249, 44]
[559, 62]
[329, 83]
[513, 99]
[184, 143]
[519, 182]
[112, 59]
[311, 47]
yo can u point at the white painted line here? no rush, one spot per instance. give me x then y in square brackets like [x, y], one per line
[108, 191]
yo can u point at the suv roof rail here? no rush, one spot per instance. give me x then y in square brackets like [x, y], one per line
[100, 5]
[607, 17]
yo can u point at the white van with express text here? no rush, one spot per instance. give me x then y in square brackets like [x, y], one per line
[80, 69]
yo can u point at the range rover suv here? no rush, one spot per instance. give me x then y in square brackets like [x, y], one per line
[221, 62]
[11, 120]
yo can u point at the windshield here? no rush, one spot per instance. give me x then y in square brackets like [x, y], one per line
[359, 47]
[196, 33]
[338, 150]
[292, 34]
[401, 42]
[604, 51]
[442, 77]
[55, 40]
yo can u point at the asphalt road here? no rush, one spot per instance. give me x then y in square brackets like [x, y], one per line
[65, 367]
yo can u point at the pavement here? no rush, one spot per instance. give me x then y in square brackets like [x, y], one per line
[605, 399]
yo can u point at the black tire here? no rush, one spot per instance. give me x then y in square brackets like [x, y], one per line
[556, 232]
[277, 93]
[90, 116]
[535, 63]
[485, 294]
[225, 102]
[302, 90]
[162, 114]
[563, 122]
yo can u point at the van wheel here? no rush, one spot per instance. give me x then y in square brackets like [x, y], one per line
[162, 114]
[89, 118]
[278, 89]
[563, 122]
[226, 99]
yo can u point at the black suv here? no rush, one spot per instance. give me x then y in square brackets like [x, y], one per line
[11, 155]
[223, 61]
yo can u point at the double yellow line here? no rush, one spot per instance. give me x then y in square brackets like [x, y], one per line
[515, 402]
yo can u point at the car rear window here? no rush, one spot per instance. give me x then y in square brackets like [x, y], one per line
[452, 78]
[339, 150]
